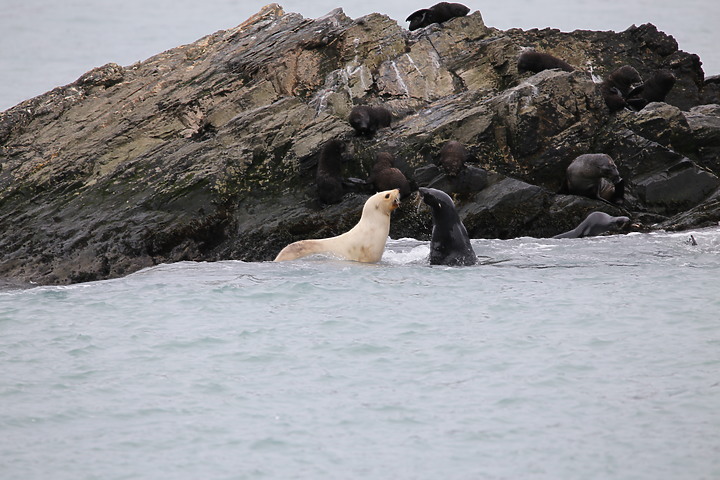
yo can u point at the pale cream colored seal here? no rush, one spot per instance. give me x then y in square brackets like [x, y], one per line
[365, 242]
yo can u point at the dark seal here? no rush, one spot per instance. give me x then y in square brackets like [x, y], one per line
[536, 62]
[367, 120]
[385, 176]
[616, 87]
[595, 224]
[452, 158]
[593, 175]
[654, 89]
[329, 172]
[450, 243]
[438, 13]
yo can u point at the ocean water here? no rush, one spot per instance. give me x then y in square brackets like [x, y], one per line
[45, 43]
[594, 358]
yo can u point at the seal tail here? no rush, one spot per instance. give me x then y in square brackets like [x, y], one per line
[300, 249]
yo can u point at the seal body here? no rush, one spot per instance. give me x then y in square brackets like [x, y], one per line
[450, 243]
[589, 174]
[452, 157]
[385, 176]
[365, 242]
[654, 89]
[438, 13]
[367, 120]
[536, 62]
[616, 87]
[328, 177]
[595, 224]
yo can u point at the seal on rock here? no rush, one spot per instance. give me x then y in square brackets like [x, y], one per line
[328, 177]
[592, 175]
[438, 13]
[367, 120]
[595, 224]
[654, 89]
[616, 87]
[365, 242]
[536, 62]
[450, 243]
[452, 157]
[385, 176]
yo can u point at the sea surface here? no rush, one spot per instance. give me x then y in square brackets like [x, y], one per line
[595, 358]
[48, 43]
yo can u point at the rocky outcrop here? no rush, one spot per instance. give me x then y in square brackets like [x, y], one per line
[208, 151]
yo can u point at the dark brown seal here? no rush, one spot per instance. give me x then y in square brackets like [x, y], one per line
[654, 89]
[592, 175]
[385, 176]
[536, 62]
[438, 13]
[329, 172]
[367, 120]
[616, 87]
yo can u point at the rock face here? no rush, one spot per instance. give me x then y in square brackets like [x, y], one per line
[208, 151]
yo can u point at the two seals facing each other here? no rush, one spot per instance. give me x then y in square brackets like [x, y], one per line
[595, 224]
[365, 242]
[438, 13]
[450, 242]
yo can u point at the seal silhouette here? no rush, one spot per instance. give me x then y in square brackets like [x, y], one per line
[450, 243]
[365, 242]
[438, 13]
[595, 224]
[367, 120]
[328, 178]
[536, 62]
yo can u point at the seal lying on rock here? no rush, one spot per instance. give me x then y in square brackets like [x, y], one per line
[365, 242]
[595, 224]
[592, 175]
[438, 13]
[367, 120]
[536, 62]
[385, 176]
[450, 243]
[616, 87]
[329, 172]
[654, 89]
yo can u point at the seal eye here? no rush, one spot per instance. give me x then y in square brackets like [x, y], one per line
[387, 195]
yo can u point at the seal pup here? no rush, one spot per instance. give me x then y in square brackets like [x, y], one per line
[367, 120]
[365, 242]
[595, 224]
[591, 175]
[452, 157]
[328, 178]
[450, 243]
[654, 89]
[536, 62]
[616, 87]
[438, 13]
[385, 176]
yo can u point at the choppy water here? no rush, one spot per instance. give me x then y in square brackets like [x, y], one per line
[556, 359]
[46, 43]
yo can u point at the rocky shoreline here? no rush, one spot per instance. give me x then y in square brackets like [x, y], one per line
[208, 151]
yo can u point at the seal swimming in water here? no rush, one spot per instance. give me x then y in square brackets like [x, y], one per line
[365, 242]
[536, 62]
[385, 176]
[592, 175]
[595, 224]
[438, 13]
[450, 243]
[328, 177]
[367, 120]
[654, 89]
[616, 87]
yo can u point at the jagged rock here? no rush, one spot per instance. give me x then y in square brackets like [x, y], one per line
[208, 151]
